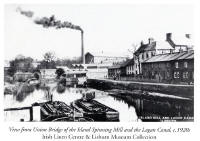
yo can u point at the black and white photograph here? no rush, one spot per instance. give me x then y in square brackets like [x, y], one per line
[98, 63]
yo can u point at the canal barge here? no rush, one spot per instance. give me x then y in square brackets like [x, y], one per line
[53, 110]
[59, 111]
[94, 109]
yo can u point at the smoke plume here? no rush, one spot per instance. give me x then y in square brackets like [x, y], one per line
[49, 22]
[52, 22]
[28, 14]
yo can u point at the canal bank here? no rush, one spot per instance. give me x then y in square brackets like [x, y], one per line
[152, 101]
[186, 91]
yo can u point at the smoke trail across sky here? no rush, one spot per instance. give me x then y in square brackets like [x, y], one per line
[52, 22]
[49, 21]
[28, 14]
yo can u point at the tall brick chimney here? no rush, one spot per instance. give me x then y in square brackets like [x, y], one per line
[82, 48]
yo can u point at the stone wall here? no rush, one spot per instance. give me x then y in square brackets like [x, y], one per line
[171, 89]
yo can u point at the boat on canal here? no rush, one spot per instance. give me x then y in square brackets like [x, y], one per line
[94, 109]
[59, 111]
[52, 110]
[70, 81]
[76, 77]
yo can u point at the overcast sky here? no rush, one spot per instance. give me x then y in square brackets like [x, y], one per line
[108, 28]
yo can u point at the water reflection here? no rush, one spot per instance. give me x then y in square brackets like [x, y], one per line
[127, 112]
[129, 107]
[11, 101]
[151, 108]
[68, 95]
[60, 88]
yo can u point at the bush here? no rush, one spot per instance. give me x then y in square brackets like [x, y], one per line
[59, 72]
[62, 81]
[36, 75]
[24, 90]
[60, 88]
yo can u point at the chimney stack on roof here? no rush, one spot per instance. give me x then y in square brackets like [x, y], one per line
[151, 40]
[142, 43]
[168, 36]
[188, 36]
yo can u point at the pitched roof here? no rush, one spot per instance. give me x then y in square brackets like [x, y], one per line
[190, 57]
[114, 67]
[160, 45]
[128, 62]
[140, 49]
[107, 54]
[170, 57]
[150, 46]
[183, 39]
[145, 47]
[122, 64]
[186, 55]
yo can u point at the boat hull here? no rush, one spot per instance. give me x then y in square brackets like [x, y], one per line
[56, 109]
[95, 110]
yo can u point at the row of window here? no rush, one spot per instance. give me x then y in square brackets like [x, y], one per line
[166, 74]
[185, 75]
[185, 64]
[130, 68]
[147, 55]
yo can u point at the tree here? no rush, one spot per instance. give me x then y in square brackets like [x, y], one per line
[36, 70]
[36, 75]
[12, 69]
[20, 63]
[59, 72]
[49, 56]
[133, 49]
[68, 62]
[49, 61]
[62, 81]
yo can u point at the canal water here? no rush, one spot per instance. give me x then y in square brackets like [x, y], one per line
[127, 112]
[131, 107]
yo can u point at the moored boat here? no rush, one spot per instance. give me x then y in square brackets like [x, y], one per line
[52, 110]
[71, 81]
[77, 119]
[77, 77]
[59, 111]
[94, 109]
